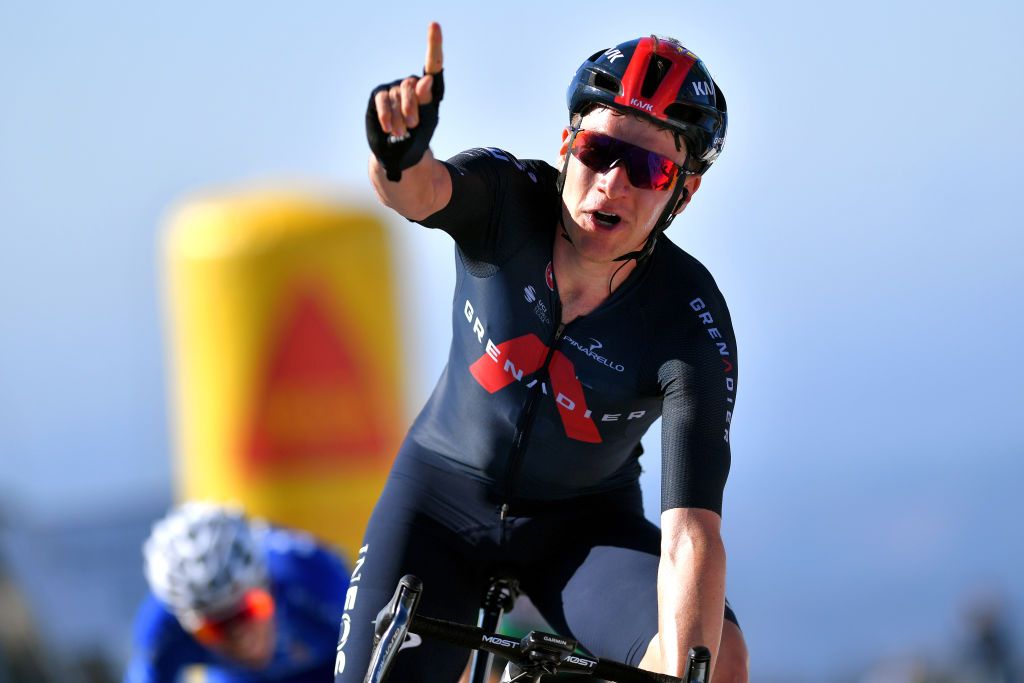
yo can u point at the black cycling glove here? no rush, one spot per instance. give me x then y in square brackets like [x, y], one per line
[397, 155]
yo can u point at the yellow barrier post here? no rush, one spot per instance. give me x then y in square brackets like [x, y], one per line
[285, 358]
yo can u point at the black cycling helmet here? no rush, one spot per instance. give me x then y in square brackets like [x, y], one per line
[660, 80]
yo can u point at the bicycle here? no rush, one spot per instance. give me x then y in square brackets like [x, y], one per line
[537, 654]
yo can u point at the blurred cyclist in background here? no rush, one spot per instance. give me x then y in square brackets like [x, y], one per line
[252, 602]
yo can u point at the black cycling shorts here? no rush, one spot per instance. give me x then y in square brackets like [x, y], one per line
[589, 566]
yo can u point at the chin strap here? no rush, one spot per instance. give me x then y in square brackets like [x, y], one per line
[679, 195]
[560, 183]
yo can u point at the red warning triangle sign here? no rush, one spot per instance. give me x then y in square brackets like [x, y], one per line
[315, 403]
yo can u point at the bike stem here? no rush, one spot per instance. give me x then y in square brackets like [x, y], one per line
[499, 599]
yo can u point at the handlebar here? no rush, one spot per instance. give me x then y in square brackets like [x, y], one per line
[543, 653]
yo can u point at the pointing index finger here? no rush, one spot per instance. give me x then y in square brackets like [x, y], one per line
[434, 60]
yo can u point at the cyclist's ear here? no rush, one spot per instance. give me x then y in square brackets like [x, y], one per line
[564, 148]
[690, 185]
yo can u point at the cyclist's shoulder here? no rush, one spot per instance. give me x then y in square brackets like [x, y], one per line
[154, 622]
[680, 277]
[498, 162]
[295, 556]
[683, 300]
[161, 646]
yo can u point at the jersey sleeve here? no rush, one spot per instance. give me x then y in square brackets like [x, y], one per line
[491, 187]
[699, 383]
[161, 648]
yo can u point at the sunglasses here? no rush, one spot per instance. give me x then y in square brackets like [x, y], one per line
[646, 170]
[257, 605]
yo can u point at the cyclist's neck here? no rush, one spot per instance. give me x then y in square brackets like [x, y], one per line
[584, 285]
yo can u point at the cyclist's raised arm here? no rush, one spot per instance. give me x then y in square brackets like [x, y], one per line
[400, 121]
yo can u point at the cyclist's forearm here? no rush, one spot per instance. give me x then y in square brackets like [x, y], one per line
[691, 592]
[423, 190]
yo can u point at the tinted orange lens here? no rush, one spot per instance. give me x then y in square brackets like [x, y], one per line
[257, 605]
[208, 633]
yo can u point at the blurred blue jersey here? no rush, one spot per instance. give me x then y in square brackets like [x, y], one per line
[308, 583]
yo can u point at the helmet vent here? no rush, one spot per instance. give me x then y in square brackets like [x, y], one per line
[605, 82]
[686, 114]
[657, 69]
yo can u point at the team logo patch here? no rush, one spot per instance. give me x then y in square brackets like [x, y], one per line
[549, 277]
[593, 351]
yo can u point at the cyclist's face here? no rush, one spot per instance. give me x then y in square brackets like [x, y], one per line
[246, 634]
[605, 214]
[250, 642]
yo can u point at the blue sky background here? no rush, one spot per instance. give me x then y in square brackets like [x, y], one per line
[863, 223]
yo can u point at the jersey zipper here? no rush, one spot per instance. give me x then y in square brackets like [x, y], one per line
[526, 418]
[527, 415]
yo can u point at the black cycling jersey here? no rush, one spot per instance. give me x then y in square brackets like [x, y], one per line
[543, 422]
[541, 412]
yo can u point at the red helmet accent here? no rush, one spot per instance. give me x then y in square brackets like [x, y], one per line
[660, 80]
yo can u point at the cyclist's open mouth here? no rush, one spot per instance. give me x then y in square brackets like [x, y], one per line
[605, 220]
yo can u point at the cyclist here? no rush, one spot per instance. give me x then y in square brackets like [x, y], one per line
[576, 324]
[251, 602]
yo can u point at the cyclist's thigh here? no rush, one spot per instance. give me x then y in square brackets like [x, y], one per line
[403, 537]
[602, 587]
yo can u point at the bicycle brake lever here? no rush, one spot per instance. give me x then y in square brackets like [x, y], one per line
[392, 626]
[407, 595]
